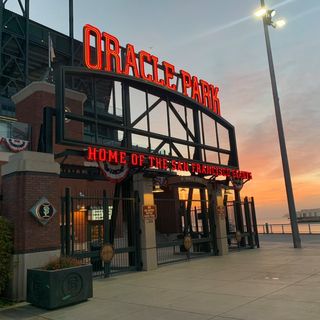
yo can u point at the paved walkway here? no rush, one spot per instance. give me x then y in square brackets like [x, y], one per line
[275, 282]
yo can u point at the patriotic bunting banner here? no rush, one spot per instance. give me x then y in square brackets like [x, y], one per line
[115, 173]
[15, 145]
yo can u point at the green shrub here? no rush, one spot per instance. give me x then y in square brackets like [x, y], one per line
[6, 246]
[62, 263]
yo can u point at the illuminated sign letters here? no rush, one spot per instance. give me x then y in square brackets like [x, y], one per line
[107, 57]
[161, 163]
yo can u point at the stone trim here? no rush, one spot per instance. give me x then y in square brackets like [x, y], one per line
[47, 87]
[37, 250]
[31, 161]
[29, 173]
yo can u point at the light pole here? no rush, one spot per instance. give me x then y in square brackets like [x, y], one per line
[267, 21]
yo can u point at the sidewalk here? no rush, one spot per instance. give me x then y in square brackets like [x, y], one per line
[275, 282]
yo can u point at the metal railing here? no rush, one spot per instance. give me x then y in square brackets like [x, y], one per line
[15, 130]
[285, 228]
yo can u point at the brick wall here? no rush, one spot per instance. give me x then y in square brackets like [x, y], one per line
[30, 110]
[22, 190]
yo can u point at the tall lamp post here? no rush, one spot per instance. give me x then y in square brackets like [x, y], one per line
[267, 16]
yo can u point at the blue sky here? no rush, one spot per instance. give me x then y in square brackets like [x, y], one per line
[221, 42]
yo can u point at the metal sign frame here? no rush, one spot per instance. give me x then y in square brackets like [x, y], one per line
[195, 140]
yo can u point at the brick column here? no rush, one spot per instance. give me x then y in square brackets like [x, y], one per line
[30, 102]
[27, 177]
[148, 227]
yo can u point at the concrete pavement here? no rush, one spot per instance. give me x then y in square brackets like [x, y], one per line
[275, 282]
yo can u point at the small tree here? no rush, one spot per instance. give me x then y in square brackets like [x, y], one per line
[6, 246]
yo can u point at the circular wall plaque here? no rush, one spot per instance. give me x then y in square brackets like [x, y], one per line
[107, 253]
[238, 236]
[187, 242]
[43, 210]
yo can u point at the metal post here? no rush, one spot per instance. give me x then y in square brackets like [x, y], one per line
[254, 221]
[73, 227]
[239, 217]
[267, 228]
[1, 30]
[68, 210]
[248, 222]
[106, 233]
[204, 213]
[71, 33]
[27, 20]
[188, 226]
[285, 164]
[62, 228]
[196, 219]
[137, 230]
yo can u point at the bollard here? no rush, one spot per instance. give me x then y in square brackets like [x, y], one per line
[267, 228]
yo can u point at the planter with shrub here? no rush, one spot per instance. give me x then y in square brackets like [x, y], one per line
[61, 282]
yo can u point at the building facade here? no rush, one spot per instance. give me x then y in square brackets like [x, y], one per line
[107, 148]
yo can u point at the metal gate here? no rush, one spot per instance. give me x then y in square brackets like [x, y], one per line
[241, 224]
[89, 222]
[179, 218]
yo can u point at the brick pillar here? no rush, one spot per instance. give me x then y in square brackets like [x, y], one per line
[27, 177]
[148, 227]
[30, 102]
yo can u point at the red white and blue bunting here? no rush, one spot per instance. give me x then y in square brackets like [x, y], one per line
[115, 173]
[15, 145]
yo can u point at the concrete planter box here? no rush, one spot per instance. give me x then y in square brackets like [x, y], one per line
[51, 289]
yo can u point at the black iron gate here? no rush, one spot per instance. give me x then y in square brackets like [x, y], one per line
[177, 219]
[89, 222]
[241, 224]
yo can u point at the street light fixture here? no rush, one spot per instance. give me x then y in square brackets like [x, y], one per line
[261, 12]
[280, 23]
[267, 16]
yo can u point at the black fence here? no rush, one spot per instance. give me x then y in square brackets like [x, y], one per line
[175, 221]
[241, 224]
[285, 228]
[87, 223]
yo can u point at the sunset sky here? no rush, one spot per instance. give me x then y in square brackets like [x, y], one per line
[222, 42]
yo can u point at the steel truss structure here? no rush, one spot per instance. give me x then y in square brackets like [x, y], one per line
[110, 122]
[24, 58]
[24, 51]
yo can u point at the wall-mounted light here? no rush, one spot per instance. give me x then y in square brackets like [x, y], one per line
[157, 188]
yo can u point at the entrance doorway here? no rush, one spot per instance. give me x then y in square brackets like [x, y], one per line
[184, 211]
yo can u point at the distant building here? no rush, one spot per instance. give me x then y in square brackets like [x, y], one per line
[308, 215]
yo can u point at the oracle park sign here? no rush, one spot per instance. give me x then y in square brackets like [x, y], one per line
[107, 57]
[205, 144]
